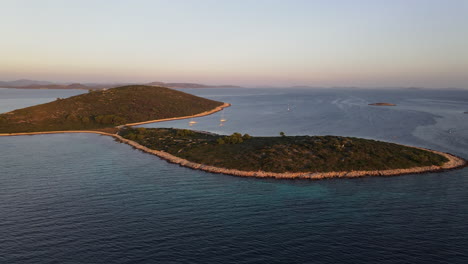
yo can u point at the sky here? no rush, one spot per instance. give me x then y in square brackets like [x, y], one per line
[366, 43]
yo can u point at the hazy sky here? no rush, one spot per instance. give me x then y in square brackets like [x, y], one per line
[246, 42]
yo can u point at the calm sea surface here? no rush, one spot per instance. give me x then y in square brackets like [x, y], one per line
[83, 198]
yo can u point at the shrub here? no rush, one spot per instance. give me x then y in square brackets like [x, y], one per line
[234, 138]
[131, 136]
[109, 120]
[85, 120]
[72, 118]
[141, 130]
[184, 133]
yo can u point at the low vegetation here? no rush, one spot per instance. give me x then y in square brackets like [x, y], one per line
[104, 109]
[284, 153]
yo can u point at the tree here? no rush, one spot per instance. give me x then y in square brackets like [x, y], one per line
[282, 134]
[246, 137]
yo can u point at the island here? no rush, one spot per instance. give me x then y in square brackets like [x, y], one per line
[105, 109]
[383, 104]
[312, 157]
[115, 112]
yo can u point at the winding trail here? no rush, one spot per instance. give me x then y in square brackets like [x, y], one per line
[453, 163]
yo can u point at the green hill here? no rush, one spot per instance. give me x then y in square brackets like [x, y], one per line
[107, 108]
[282, 154]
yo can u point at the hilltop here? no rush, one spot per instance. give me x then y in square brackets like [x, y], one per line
[105, 108]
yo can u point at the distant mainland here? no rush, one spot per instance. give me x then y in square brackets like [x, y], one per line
[114, 112]
[36, 84]
[33, 84]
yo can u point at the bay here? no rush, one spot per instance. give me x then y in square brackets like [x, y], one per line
[84, 198]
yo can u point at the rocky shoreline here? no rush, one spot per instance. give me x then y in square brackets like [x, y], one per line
[453, 163]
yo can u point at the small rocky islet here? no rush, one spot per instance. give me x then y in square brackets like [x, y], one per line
[383, 104]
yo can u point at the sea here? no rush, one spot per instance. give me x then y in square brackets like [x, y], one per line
[85, 198]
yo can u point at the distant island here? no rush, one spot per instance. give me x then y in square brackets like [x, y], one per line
[113, 112]
[33, 84]
[190, 85]
[383, 104]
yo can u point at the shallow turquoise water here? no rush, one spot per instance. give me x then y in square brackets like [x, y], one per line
[83, 198]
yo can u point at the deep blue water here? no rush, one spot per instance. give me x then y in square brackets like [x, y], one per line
[83, 198]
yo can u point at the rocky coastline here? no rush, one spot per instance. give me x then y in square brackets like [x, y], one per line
[453, 163]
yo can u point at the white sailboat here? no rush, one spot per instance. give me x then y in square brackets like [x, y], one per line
[222, 120]
[222, 117]
[191, 123]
